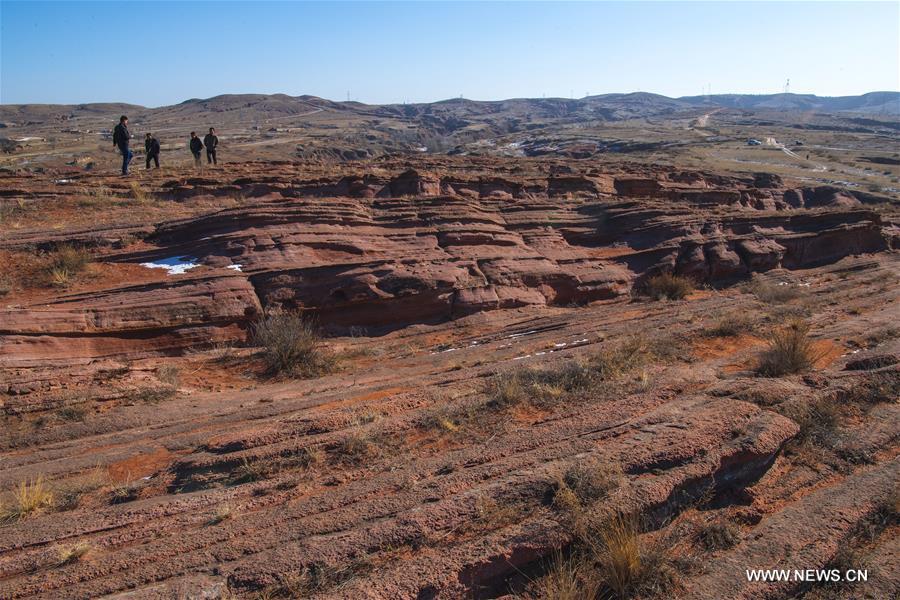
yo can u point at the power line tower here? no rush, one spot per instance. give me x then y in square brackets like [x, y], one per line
[787, 86]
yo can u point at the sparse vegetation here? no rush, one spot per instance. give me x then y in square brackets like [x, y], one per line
[252, 470]
[137, 192]
[125, 491]
[773, 293]
[718, 536]
[731, 324]
[70, 554]
[668, 286]
[65, 263]
[543, 385]
[790, 351]
[586, 482]
[28, 498]
[6, 285]
[354, 448]
[223, 512]
[610, 561]
[291, 345]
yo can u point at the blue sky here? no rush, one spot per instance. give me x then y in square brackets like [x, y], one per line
[156, 53]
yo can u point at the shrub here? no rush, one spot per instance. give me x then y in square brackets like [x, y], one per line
[730, 325]
[773, 293]
[668, 286]
[29, 497]
[71, 554]
[291, 345]
[718, 536]
[790, 351]
[65, 263]
[137, 192]
[817, 421]
[6, 285]
[592, 479]
[616, 360]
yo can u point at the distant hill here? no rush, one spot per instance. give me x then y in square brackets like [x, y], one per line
[887, 103]
[457, 112]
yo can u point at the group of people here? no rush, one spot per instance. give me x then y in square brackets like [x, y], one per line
[122, 140]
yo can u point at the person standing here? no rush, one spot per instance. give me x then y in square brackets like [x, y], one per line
[211, 142]
[151, 147]
[196, 147]
[122, 139]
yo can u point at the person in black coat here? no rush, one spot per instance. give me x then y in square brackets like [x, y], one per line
[121, 140]
[211, 142]
[196, 147]
[151, 146]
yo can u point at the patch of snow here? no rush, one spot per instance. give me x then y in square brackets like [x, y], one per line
[62, 181]
[175, 265]
[235, 267]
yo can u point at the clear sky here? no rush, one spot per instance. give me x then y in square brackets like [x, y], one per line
[156, 53]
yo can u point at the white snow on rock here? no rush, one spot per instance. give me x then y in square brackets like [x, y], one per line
[176, 265]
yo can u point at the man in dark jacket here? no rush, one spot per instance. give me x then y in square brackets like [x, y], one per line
[196, 147]
[121, 139]
[211, 141]
[151, 146]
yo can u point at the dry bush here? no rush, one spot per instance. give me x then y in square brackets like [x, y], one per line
[668, 286]
[291, 345]
[718, 536]
[354, 449]
[592, 479]
[790, 351]
[150, 395]
[125, 491]
[568, 578]
[28, 498]
[730, 325]
[616, 360]
[223, 512]
[65, 263]
[251, 470]
[773, 293]
[137, 192]
[6, 285]
[70, 554]
[818, 422]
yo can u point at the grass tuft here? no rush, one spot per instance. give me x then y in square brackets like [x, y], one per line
[65, 263]
[29, 497]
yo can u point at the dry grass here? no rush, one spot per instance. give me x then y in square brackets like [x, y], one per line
[610, 561]
[718, 536]
[354, 449]
[730, 325]
[65, 263]
[667, 286]
[28, 498]
[252, 470]
[591, 479]
[544, 386]
[790, 351]
[291, 346]
[773, 293]
[137, 192]
[6, 285]
[71, 554]
[224, 512]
